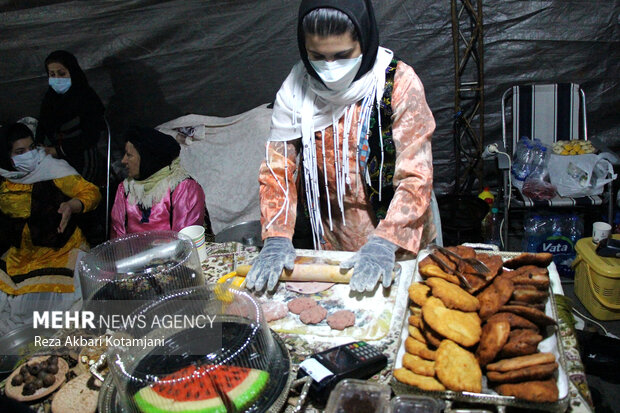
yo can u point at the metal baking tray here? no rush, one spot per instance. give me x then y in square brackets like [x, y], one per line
[552, 342]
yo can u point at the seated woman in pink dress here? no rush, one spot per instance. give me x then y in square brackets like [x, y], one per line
[158, 193]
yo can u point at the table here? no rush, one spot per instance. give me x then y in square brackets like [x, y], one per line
[222, 259]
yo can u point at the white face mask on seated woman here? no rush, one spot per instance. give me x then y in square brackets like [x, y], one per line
[338, 74]
[27, 161]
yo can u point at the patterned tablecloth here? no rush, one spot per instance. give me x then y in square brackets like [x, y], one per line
[223, 258]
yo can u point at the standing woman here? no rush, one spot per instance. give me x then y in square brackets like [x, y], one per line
[71, 118]
[359, 119]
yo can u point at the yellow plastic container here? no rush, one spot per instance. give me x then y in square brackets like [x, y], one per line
[597, 281]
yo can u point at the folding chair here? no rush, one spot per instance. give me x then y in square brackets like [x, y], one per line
[549, 112]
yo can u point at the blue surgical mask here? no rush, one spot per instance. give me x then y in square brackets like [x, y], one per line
[339, 74]
[60, 84]
[28, 161]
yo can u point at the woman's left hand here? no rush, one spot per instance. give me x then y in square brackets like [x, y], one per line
[50, 150]
[66, 209]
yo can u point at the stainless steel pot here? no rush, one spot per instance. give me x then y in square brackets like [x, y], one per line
[247, 233]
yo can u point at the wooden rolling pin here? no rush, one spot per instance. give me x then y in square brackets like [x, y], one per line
[309, 272]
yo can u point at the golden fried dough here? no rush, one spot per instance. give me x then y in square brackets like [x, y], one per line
[535, 391]
[533, 314]
[416, 334]
[452, 295]
[415, 320]
[433, 338]
[521, 343]
[538, 372]
[493, 297]
[463, 328]
[418, 293]
[516, 363]
[457, 368]
[417, 348]
[494, 337]
[515, 321]
[418, 365]
[540, 259]
[432, 270]
[406, 376]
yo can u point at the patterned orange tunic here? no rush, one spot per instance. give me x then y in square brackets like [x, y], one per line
[408, 220]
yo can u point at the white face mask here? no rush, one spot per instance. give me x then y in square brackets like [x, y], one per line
[60, 84]
[27, 162]
[339, 74]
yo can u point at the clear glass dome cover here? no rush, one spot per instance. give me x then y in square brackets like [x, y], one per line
[198, 349]
[140, 266]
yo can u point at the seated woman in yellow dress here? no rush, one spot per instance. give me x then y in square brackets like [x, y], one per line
[39, 196]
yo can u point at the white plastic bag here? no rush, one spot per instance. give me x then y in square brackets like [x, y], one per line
[580, 175]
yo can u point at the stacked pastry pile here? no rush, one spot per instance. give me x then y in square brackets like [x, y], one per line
[494, 326]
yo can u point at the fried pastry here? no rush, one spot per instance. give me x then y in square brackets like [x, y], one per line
[535, 391]
[493, 297]
[416, 334]
[529, 296]
[537, 306]
[433, 338]
[432, 270]
[540, 259]
[418, 293]
[415, 320]
[406, 376]
[452, 295]
[413, 346]
[515, 321]
[538, 372]
[418, 365]
[494, 337]
[533, 314]
[520, 343]
[457, 368]
[516, 363]
[463, 328]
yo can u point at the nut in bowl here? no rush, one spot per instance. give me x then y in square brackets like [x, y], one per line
[36, 378]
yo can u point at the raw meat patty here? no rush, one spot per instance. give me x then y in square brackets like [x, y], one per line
[303, 287]
[341, 320]
[274, 310]
[300, 304]
[313, 315]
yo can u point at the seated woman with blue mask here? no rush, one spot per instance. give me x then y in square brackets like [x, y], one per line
[39, 197]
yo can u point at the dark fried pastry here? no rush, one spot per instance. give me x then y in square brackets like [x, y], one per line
[516, 363]
[527, 295]
[535, 391]
[476, 281]
[537, 306]
[539, 281]
[521, 342]
[493, 297]
[540, 259]
[533, 314]
[538, 372]
[515, 321]
[494, 337]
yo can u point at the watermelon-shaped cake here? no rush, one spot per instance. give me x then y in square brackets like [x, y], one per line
[193, 390]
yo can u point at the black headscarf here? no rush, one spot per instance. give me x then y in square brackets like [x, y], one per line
[80, 100]
[156, 149]
[361, 14]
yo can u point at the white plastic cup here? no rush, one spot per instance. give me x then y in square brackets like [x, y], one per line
[600, 231]
[197, 234]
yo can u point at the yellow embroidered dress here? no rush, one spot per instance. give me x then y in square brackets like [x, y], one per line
[31, 268]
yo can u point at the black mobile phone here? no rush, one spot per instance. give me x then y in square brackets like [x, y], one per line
[358, 360]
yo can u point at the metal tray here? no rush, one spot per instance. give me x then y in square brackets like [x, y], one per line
[277, 397]
[492, 399]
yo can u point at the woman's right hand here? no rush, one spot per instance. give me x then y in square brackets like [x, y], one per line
[277, 253]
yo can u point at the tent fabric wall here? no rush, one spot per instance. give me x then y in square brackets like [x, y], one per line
[152, 61]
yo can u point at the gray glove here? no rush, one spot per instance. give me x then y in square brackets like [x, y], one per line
[375, 259]
[277, 253]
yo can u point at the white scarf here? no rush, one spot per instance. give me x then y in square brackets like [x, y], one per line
[47, 169]
[304, 106]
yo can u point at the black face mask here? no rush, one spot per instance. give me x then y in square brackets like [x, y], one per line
[361, 14]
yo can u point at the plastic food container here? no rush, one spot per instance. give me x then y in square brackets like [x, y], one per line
[358, 396]
[597, 281]
[415, 404]
[140, 266]
[214, 351]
